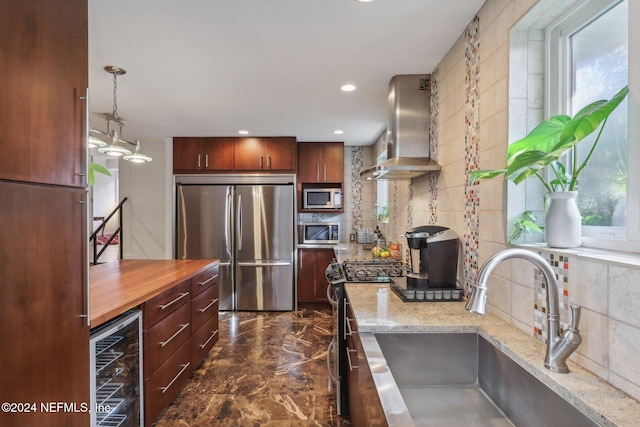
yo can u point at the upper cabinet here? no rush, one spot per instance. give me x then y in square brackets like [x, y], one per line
[321, 162]
[226, 155]
[202, 155]
[44, 80]
[265, 154]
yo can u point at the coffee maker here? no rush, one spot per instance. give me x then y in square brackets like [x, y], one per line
[433, 254]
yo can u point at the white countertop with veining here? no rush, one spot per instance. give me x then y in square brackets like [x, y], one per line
[593, 396]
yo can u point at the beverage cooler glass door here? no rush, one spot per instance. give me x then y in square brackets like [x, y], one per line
[116, 372]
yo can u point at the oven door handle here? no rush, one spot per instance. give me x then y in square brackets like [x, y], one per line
[332, 350]
[333, 302]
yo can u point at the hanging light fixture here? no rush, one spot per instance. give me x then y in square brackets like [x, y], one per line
[117, 146]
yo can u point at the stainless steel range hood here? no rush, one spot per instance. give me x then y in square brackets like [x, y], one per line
[408, 131]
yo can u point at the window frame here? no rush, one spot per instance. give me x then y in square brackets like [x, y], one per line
[557, 91]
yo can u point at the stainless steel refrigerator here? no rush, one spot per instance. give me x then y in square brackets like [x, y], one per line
[248, 223]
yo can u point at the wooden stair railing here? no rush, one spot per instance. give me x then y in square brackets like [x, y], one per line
[118, 233]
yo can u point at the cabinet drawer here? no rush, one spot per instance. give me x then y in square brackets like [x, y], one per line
[204, 339]
[159, 307]
[204, 306]
[205, 280]
[164, 338]
[161, 387]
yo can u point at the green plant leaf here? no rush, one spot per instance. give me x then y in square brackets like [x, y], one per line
[485, 174]
[590, 117]
[92, 169]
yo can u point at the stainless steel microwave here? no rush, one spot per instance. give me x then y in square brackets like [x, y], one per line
[322, 198]
[321, 232]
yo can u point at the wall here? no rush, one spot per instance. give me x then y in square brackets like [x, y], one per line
[148, 212]
[470, 121]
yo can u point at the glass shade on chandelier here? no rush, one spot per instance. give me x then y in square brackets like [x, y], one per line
[138, 156]
[115, 148]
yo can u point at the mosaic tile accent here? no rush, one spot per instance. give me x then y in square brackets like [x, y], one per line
[357, 161]
[394, 209]
[410, 206]
[560, 266]
[472, 124]
[317, 217]
[433, 148]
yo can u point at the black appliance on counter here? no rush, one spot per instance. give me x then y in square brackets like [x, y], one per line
[433, 269]
[434, 257]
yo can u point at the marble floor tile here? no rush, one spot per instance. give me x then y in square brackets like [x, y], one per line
[267, 369]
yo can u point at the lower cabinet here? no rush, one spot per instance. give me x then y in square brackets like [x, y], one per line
[365, 408]
[312, 283]
[180, 327]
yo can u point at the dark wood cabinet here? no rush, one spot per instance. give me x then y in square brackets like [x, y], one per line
[45, 351]
[44, 75]
[277, 154]
[321, 162]
[365, 408]
[180, 326]
[203, 155]
[43, 229]
[312, 283]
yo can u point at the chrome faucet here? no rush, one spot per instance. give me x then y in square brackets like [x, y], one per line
[559, 346]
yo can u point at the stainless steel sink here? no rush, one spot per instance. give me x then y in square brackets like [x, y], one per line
[449, 379]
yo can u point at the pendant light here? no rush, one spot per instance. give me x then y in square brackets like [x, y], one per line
[117, 146]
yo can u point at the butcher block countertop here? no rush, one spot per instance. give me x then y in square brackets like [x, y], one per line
[121, 285]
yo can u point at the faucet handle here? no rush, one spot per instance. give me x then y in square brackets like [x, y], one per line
[575, 317]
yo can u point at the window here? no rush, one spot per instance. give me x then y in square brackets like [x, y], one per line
[589, 61]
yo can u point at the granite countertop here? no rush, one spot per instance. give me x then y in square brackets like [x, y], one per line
[593, 396]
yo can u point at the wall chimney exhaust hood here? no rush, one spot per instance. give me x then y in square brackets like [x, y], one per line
[408, 131]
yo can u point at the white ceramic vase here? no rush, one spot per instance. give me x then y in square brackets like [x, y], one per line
[563, 224]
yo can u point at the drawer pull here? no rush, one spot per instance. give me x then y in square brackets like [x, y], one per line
[350, 331]
[208, 280]
[164, 389]
[209, 340]
[182, 328]
[182, 295]
[213, 301]
[351, 366]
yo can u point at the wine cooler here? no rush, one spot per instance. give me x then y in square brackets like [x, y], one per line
[116, 372]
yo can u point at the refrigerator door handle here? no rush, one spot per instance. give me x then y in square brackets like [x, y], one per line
[262, 263]
[228, 221]
[239, 222]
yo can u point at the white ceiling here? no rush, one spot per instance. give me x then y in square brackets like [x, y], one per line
[273, 67]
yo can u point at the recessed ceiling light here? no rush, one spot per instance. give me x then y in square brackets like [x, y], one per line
[348, 87]
[243, 132]
[338, 131]
[364, 1]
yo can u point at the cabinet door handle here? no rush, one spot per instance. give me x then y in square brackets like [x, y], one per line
[324, 167]
[84, 171]
[317, 171]
[182, 328]
[208, 280]
[182, 295]
[213, 301]
[210, 338]
[165, 388]
[260, 162]
[199, 163]
[350, 331]
[268, 161]
[351, 365]
[87, 260]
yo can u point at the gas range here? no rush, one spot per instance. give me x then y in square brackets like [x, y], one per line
[377, 271]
